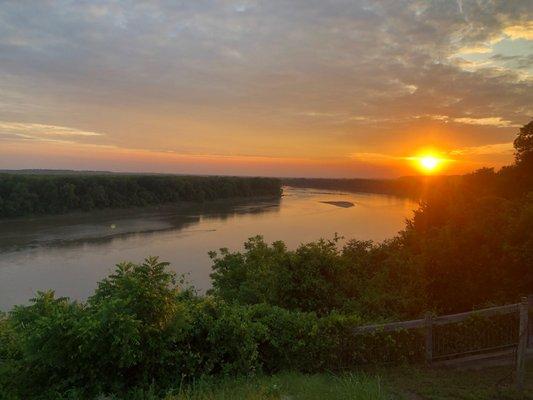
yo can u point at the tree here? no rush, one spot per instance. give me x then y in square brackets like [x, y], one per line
[524, 144]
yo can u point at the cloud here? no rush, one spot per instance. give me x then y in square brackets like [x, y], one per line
[375, 157]
[488, 121]
[33, 132]
[444, 118]
[524, 31]
[42, 129]
[478, 49]
[499, 148]
[320, 114]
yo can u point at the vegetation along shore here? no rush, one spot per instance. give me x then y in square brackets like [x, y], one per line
[23, 194]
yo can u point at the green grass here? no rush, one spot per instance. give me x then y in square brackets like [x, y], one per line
[286, 386]
[395, 383]
[400, 383]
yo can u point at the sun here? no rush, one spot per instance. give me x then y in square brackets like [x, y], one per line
[429, 163]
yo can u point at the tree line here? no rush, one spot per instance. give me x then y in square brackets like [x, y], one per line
[32, 194]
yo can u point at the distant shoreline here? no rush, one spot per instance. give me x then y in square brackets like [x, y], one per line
[41, 194]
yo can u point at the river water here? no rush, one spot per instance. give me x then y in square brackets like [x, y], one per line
[70, 254]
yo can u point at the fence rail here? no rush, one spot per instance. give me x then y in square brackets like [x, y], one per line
[440, 320]
[523, 337]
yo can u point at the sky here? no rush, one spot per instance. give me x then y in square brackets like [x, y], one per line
[276, 88]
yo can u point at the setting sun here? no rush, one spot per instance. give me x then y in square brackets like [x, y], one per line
[429, 163]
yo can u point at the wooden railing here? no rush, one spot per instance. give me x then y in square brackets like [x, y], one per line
[523, 340]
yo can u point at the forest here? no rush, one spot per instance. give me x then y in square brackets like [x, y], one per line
[469, 245]
[24, 194]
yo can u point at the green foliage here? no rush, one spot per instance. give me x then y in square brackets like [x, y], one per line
[475, 334]
[319, 277]
[141, 330]
[138, 328]
[473, 248]
[26, 194]
[524, 144]
[249, 278]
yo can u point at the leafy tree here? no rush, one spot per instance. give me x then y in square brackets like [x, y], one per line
[524, 144]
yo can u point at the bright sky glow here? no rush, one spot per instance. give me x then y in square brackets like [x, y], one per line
[286, 88]
[429, 163]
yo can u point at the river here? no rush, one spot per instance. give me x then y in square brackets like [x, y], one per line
[70, 254]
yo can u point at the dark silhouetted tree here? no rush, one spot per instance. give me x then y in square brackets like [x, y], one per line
[524, 144]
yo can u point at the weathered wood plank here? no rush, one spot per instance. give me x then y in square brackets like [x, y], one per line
[442, 320]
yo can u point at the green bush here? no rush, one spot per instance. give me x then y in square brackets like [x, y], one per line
[138, 328]
[141, 329]
[360, 278]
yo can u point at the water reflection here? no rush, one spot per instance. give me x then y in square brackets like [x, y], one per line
[70, 254]
[103, 227]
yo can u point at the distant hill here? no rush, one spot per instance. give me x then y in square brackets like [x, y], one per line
[54, 172]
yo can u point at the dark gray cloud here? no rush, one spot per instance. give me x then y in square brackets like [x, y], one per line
[266, 76]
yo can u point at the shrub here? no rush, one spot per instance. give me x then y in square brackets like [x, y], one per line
[360, 278]
[141, 330]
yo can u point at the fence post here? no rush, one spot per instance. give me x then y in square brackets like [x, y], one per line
[429, 337]
[522, 343]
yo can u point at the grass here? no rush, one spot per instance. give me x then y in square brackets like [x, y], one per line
[415, 383]
[399, 383]
[407, 383]
[286, 386]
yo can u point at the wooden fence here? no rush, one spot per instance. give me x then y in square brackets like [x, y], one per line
[519, 340]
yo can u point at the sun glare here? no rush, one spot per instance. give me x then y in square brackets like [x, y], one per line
[429, 163]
